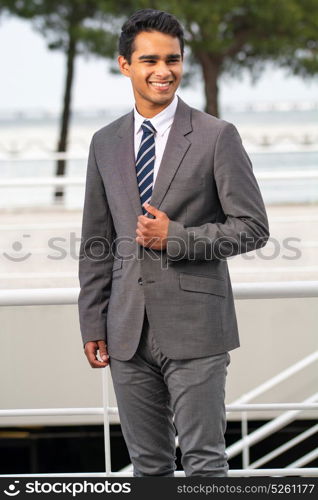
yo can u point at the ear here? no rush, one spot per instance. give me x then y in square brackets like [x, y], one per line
[124, 66]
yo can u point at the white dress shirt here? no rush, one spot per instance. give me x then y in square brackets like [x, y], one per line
[162, 123]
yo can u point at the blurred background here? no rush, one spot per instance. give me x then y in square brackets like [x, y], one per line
[252, 63]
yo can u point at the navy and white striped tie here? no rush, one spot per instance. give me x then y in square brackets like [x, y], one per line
[145, 162]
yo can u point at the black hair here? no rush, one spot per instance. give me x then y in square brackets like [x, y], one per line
[148, 20]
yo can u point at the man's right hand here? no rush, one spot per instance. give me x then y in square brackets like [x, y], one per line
[91, 349]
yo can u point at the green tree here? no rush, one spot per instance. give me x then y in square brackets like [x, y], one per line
[229, 36]
[74, 27]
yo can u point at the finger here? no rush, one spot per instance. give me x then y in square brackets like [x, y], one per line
[139, 233]
[144, 220]
[152, 210]
[103, 353]
[141, 225]
[90, 351]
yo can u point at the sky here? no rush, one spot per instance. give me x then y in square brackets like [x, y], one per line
[32, 78]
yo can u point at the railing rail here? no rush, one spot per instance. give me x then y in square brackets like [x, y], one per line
[285, 447]
[258, 290]
[112, 410]
[14, 182]
[304, 472]
[277, 379]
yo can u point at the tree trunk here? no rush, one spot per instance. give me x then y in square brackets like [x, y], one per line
[66, 114]
[211, 69]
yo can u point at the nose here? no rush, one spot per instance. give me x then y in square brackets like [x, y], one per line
[162, 70]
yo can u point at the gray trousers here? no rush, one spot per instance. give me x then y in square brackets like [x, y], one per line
[157, 395]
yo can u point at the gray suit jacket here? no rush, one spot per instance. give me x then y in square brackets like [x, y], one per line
[207, 188]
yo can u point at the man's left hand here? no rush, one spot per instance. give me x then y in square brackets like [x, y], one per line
[152, 233]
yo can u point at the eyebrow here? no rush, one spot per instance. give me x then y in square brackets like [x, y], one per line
[170, 56]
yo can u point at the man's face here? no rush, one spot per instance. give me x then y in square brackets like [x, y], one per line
[155, 70]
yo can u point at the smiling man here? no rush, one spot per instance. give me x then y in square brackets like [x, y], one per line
[170, 195]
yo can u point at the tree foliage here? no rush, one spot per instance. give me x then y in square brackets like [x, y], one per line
[222, 36]
[228, 36]
[75, 27]
[87, 21]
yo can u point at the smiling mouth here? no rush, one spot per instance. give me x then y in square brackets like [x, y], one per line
[161, 85]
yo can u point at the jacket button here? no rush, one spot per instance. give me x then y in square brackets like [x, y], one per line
[139, 281]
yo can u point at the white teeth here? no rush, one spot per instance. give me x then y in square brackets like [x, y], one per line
[156, 84]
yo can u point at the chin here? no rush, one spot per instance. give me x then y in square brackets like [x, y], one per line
[163, 99]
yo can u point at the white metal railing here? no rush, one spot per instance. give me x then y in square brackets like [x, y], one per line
[285, 447]
[282, 175]
[42, 181]
[113, 410]
[264, 143]
[80, 181]
[106, 411]
[309, 457]
[269, 384]
[277, 379]
[306, 472]
[269, 428]
[306, 218]
[16, 156]
[241, 291]
[60, 296]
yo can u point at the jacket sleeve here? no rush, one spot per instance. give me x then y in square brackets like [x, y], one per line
[95, 256]
[245, 224]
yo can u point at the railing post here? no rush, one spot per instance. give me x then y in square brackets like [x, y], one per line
[244, 431]
[105, 376]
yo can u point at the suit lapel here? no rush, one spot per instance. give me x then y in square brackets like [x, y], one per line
[126, 161]
[176, 147]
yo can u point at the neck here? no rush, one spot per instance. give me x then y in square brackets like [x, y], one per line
[149, 110]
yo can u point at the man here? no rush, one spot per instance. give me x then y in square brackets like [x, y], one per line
[170, 194]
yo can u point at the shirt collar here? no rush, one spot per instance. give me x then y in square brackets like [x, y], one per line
[162, 121]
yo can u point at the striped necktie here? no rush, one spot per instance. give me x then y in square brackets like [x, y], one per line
[145, 162]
